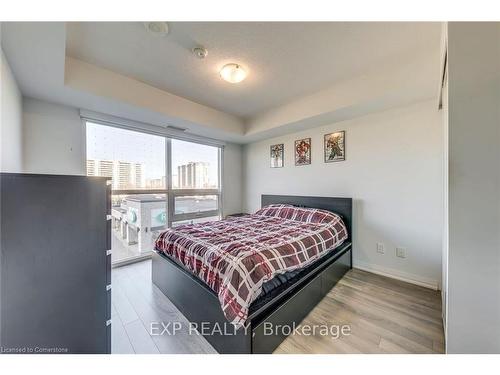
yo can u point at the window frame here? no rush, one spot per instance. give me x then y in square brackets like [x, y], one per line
[169, 191]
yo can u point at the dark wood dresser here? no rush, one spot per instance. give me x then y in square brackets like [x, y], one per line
[55, 264]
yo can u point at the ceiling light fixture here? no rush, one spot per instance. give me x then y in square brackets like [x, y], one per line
[157, 28]
[233, 73]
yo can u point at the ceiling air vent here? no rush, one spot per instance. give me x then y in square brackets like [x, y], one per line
[176, 128]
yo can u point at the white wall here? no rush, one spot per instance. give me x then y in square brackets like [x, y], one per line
[393, 170]
[474, 188]
[233, 179]
[54, 138]
[11, 157]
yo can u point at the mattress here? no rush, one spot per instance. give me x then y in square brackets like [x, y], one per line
[237, 258]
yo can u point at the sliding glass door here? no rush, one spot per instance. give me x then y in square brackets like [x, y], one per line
[157, 182]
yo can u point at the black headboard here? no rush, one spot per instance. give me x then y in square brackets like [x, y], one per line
[340, 206]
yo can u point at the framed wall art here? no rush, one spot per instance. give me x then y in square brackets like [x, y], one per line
[277, 155]
[335, 147]
[303, 151]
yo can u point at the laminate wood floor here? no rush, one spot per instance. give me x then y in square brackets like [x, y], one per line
[384, 316]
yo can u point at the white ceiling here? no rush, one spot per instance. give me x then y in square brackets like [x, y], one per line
[285, 61]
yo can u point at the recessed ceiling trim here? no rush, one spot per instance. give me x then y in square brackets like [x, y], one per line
[286, 61]
[90, 78]
[170, 131]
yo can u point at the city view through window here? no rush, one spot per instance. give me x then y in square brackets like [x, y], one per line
[194, 166]
[133, 160]
[143, 201]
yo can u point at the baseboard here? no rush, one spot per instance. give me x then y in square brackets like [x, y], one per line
[398, 275]
[135, 259]
[443, 316]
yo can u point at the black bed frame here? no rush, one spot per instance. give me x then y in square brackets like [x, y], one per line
[201, 307]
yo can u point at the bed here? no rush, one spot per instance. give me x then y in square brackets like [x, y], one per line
[238, 281]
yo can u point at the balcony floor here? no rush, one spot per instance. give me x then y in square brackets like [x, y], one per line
[120, 250]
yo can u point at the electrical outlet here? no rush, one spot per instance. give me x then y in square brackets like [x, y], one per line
[400, 252]
[380, 248]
